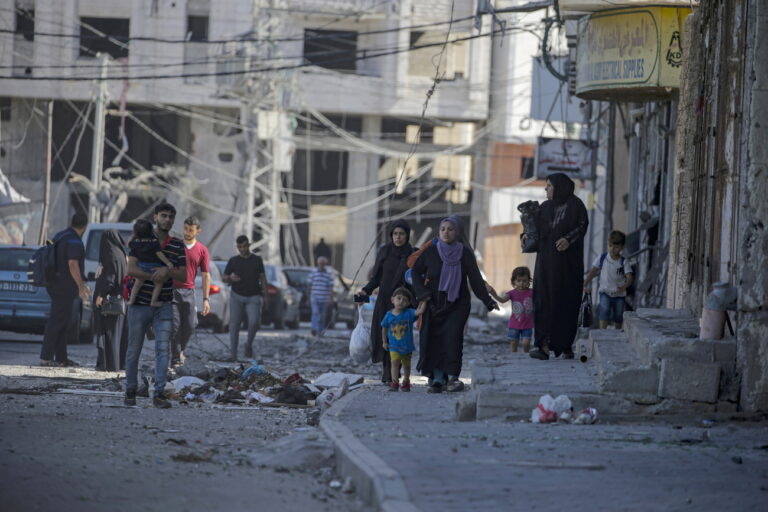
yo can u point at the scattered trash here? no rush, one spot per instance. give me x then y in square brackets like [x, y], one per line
[707, 423]
[331, 395]
[194, 457]
[186, 382]
[293, 395]
[261, 398]
[255, 369]
[230, 396]
[294, 378]
[349, 486]
[180, 442]
[334, 379]
[549, 409]
[334, 484]
[586, 417]
[360, 340]
[193, 368]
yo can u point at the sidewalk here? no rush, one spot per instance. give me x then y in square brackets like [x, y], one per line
[406, 452]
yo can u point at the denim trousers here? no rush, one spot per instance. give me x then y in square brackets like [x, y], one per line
[139, 320]
[611, 308]
[318, 314]
[240, 305]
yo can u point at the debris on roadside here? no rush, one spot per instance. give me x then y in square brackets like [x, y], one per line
[334, 379]
[560, 409]
[194, 457]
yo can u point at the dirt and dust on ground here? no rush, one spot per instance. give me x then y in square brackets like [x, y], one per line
[240, 435]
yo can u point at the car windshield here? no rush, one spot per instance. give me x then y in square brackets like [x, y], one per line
[94, 243]
[15, 259]
[297, 277]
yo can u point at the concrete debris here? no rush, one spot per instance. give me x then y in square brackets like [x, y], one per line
[349, 485]
[334, 379]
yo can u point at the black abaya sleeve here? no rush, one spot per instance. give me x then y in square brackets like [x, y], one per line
[419, 273]
[476, 280]
[378, 269]
[577, 211]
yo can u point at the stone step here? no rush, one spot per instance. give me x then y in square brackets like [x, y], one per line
[648, 328]
[620, 370]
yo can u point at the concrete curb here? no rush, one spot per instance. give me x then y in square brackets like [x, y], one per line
[376, 482]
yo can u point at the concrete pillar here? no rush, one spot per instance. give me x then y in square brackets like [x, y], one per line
[362, 222]
[752, 330]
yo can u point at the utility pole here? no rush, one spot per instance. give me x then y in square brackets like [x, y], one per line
[97, 156]
[47, 186]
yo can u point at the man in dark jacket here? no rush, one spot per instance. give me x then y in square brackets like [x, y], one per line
[64, 291]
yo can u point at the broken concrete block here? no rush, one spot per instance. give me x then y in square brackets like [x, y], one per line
[466, 408]
[687, 380]
[333, 379]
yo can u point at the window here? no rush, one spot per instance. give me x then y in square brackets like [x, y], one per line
[197, 28]
[104, 35]
[424, 46]
[25, 23]
[526, 168]
[331, 49]
[5, 108]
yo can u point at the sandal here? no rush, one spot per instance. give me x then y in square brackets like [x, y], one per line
[50, 364]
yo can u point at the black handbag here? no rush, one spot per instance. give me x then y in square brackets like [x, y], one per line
[113, 305]
[585, 311]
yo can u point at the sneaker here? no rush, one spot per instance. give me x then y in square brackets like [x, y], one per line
[454, 386]
[406, 387]
[537, 353]
[161, 402]
[435, 388]
[130, 398]
[394, 386]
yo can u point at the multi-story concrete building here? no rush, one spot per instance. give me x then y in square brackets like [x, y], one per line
[353, 79]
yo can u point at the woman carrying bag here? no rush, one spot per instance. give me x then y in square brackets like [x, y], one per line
[388, 275]
[110, 326]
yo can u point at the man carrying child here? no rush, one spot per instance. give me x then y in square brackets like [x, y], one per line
[141, 314]
[615, 277]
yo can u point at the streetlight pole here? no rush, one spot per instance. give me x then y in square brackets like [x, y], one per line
[47, 186]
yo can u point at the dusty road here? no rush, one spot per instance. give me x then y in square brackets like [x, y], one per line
[88, 452]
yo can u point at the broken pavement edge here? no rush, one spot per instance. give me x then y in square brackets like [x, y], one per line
[376, 482]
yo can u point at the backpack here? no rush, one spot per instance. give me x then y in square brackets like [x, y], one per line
[415, 256]
[42, 266]
[631, 289]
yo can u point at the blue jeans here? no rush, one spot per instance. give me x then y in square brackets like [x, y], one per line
[240, 305]
[139, 320]
[318, 314]
[516, 334]
[611, 308]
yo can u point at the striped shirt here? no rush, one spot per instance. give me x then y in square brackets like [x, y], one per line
[174, 250]
[322, 285]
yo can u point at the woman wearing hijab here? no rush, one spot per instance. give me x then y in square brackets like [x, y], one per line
[559, 273]
[440, 277]
[111, 331]
[388, 275]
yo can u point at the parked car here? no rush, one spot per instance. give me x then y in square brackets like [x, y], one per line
[218, 317]
[344, 309]
[283, 300]
[25, 307]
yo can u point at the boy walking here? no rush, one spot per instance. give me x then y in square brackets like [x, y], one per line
[185, 310]
[397, 336]
[615, 277]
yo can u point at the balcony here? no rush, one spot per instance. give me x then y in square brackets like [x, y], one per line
[331, 7]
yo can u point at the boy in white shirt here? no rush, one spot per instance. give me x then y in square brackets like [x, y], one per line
[615, 277]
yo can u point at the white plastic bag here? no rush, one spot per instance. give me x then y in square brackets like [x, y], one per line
[550, 409]
[360, 341]
[331, 395]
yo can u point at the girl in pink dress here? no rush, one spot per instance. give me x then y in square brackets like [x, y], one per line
[521, 319]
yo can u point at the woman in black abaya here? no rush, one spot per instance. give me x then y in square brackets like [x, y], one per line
[388, 275]
[559, 274]
[111, 331]
[440, 276]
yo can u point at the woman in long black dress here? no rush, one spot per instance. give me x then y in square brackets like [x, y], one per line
[559, 274]
[388, 275]
[440, 276]
[111, 331]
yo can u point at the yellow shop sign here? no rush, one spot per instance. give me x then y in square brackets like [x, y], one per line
[630, 54]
